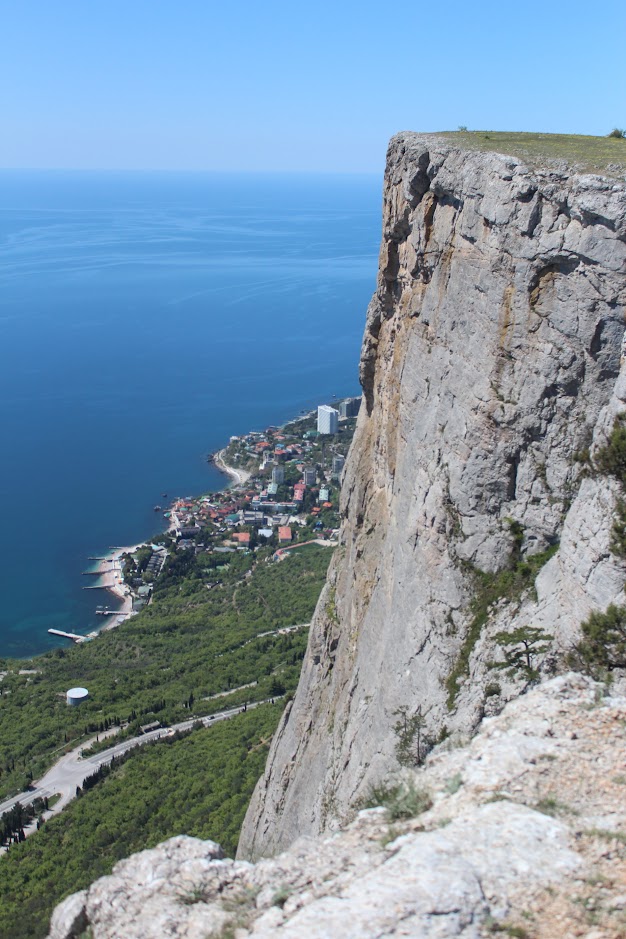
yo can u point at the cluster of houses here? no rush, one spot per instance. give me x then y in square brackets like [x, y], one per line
[287, 493]
[291, 477]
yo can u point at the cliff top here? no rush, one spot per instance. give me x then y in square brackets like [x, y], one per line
[582, 153]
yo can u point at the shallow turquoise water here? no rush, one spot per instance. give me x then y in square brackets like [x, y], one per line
[144, 319]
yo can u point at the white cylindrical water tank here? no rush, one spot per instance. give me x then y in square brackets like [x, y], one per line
[76, 695]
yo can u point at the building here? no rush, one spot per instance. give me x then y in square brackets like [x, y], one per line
[278, 474]
[338, 465]
[349, 408]
[324, 495]
[76, 696]
[309, 475]
[327, 419]
[284, 534]
[272, 489]
[243, 537]
[253, 518]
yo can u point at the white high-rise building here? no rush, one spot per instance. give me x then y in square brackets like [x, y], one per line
[327, 419]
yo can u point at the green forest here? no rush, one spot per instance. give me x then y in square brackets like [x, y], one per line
[197, 785]
[198, 638]
[207, 632]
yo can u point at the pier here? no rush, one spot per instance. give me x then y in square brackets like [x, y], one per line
[99, 586]
[73, 636]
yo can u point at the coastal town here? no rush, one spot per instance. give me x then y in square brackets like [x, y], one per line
[284, 493]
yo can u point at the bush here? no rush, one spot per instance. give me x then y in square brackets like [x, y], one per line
[618, 533]
[402, 800]
[603, 646]
[616, 132]
[610, 460]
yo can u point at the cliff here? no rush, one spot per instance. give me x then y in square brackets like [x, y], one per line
[491, 363]
[521, 834]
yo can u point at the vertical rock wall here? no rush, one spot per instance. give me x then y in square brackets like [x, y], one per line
[491, 358]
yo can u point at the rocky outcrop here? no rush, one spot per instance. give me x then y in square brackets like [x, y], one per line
[524, 835]
[492, 359]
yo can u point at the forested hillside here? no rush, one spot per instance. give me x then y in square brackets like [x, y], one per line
[209, 640]
[163, 664]
[198, 785]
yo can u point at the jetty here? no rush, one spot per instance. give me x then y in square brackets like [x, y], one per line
[73, 636]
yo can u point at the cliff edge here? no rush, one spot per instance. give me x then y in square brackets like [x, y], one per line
[491, 366]
[522, 833]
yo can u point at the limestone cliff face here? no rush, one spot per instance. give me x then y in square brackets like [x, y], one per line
[491, 357]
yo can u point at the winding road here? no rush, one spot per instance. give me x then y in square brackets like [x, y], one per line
[72, 769]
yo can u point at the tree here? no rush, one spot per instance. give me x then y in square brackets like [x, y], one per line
[412, 744]
[277, 687]
[520, 648]
[604, 640]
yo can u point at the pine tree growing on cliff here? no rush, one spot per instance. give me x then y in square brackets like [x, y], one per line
[520, 649]
[412, 744]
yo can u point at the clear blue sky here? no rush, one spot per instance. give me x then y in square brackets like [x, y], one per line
[277, 85]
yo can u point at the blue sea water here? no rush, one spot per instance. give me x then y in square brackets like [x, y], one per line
[144, 318]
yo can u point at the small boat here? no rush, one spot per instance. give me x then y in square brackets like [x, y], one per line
[157, 508]
[164, 495]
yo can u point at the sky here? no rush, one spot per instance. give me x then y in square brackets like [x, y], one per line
[294, 86]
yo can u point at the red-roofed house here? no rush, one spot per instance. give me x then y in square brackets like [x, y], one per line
[284, 534]
[243, 537]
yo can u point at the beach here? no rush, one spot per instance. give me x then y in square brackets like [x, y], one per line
[238, 476]
[111, 578]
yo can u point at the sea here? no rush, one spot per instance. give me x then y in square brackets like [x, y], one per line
[144, 319]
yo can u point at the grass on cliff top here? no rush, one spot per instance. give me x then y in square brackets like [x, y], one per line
[585, 154]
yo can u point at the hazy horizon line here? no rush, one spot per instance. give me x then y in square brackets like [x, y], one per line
[221, 172]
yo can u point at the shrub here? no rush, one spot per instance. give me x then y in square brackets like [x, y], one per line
[610, 460]
[402, 800]
[618, 533]
[603, 646]
[617, 132]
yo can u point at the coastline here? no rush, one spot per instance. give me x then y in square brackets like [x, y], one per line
[111, 565]
[238, 477]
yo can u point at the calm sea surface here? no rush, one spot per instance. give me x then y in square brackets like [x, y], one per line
[143, 319]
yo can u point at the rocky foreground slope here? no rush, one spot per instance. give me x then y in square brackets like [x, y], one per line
[525, 836]
[491, 365]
